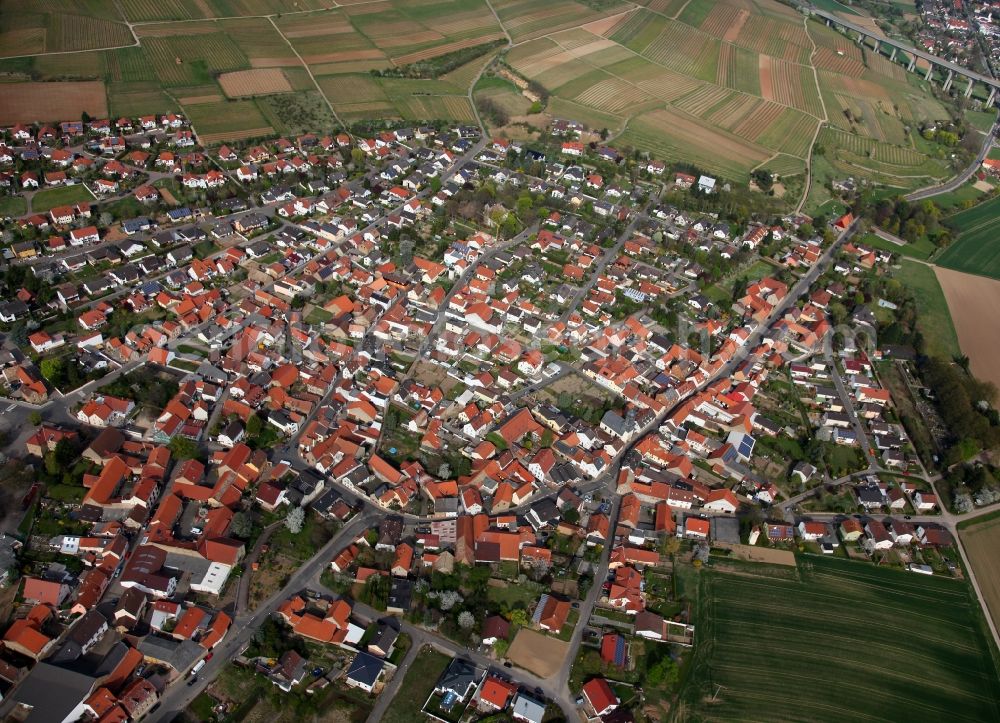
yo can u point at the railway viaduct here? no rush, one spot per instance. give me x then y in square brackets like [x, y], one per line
[891, 47]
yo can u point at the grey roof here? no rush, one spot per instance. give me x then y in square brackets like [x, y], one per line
[51, 693]
[400, 594]
[385, 636]
[529, 709]
[178, 655]
[459, 677]
[726, 529]
[365, 669]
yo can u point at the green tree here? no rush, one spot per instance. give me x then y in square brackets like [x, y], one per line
[65, 453]
[254, 424]
[51, 368]
[519, 617]
[242, 524]
[35, 418]
[664, 673]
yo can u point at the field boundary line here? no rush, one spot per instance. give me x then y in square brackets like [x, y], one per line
[819, 126]
[72, 52]
[308, 71]
[510, 40]
[682, 9]
[234, 17]
[768, 160]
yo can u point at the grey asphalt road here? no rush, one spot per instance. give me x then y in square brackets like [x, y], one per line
[180, 695]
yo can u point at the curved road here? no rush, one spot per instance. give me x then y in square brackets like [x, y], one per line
[961, 178]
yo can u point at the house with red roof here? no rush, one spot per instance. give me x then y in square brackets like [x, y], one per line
[599, 696]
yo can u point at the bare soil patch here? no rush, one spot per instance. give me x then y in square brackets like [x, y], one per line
[169, 197]
[604, 25]
[764, 72]
[41, 102]
[753, 553]
[538, 653]
[733, 32]
[974, 304]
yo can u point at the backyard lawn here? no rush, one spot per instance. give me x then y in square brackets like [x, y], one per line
[416, 687]
[934, 319]
[49, 198]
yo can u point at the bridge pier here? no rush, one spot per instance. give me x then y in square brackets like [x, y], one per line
[892, 54]
[861, 38]
[993, 96]
[930, 69]
[913, 63]
[947, 81]
[968, 88]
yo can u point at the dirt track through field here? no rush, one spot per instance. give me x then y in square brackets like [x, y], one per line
[974, 303]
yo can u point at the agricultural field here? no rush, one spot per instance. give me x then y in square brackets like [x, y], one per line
[675, 136]
[974, 303]
[981, 539]
[360, 96]
[233, 119]
[148, 10]
[30, 102]
[749, 74]
[526, 19]
[669, 8]
[60, 26]
[259, 81]
[977, 250]
[839, 640]
[739, 69]
[138, 98]
[412, 32]
[193, 57]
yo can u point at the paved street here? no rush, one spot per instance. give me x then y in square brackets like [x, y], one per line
[180, 695]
